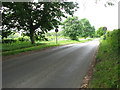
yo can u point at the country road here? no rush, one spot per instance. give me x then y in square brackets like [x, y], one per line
[59, 67]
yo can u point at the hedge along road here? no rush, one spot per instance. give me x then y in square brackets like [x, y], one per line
[59, 67]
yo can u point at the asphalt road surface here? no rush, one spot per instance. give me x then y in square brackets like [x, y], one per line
[59, 67]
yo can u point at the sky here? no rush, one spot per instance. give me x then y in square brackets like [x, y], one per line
[97, 13]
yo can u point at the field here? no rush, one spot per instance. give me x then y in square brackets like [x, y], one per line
[107, 69]
[18, 47]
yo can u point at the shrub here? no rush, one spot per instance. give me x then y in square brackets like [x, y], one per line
[9, 41]
[23, 39]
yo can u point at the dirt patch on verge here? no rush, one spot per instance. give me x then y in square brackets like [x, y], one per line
[90, 72]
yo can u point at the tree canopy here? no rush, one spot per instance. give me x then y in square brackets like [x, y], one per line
[88, 30]
[73, 27]
[35, 18]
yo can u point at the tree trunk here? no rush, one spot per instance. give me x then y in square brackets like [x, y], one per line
[32, 36]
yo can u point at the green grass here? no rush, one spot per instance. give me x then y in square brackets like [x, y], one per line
[106, 69]
[18, 47]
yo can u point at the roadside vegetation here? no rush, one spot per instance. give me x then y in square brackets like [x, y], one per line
[24, 46]
[107, 68]
[16, 43]
[31, 31]
[26, 27]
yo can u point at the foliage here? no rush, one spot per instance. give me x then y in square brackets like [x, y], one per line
[34, 18]
[13, 40]
[100, 32]
[52, 35]
[6, 33]
[107, 68]
[8, 41]
[72, 28]
[88, 30]
[16, 35]
[92, 32]
[22, 39]
[40, 37]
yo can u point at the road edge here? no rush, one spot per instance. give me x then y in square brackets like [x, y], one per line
[90, 72]
[7, 57]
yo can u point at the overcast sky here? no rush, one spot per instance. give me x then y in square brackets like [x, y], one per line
[98, 14]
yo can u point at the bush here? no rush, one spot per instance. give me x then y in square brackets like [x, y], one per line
[23, 39]
[9, 41]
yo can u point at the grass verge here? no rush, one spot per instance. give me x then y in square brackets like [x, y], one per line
[107, 63]
[12, 49]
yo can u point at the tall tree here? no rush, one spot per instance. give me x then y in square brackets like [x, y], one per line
[72, 28]
[88, 30]
[33, 17]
